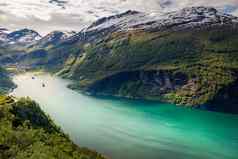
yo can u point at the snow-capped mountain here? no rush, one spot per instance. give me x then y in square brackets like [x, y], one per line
[23, 36]
[188, 17]
[3, 34]
[53, 38]
[19, 38]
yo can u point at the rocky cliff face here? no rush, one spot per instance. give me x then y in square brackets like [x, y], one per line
[151, 84]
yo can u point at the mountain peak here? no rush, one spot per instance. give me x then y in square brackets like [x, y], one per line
[3, 30]
[186, 18]
[199, 10]
[24, 31]
[53, 38]
[117, 16]
[197, 17]
[129, 12]
[24, 36]
[3, 34]
[58, 35]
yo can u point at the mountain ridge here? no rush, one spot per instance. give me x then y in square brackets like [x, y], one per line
[22, 36]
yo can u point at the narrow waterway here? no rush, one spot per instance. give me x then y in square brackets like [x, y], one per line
[127, 129]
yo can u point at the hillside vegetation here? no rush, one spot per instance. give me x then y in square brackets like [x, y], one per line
[26, 132]
[188, 68]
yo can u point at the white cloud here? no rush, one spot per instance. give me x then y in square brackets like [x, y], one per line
[74, 14]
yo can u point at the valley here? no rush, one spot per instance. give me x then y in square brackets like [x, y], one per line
[188, 57]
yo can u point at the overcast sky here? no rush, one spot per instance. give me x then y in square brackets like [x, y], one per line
[47, 15]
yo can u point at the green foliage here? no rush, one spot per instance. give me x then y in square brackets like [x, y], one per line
[207, 57]
[26, 132]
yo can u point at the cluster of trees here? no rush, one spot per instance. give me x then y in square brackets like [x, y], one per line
[26, 132]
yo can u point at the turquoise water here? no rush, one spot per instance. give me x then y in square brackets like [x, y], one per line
[127, 129]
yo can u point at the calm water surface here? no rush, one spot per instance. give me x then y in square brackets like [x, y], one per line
[127, 129]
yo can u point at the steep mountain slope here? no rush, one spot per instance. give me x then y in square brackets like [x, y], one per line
[26, 132]
[186, 57]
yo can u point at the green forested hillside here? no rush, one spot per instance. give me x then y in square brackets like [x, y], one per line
[26, 132]
[189, 67]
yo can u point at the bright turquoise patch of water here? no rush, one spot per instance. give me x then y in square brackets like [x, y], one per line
[127, 129]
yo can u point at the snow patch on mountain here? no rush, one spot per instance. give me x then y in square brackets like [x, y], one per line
[3, 34]
[23, 36]
[188, 17]
[53, 38]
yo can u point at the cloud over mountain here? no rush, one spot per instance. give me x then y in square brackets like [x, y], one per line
[48, 15]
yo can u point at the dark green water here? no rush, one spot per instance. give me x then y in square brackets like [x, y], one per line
[126, 129]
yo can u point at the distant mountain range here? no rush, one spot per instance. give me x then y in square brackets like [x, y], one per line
[188, 57]
[24, 36]
[31, 37]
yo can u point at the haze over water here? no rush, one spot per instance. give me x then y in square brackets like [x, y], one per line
[131, 129]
